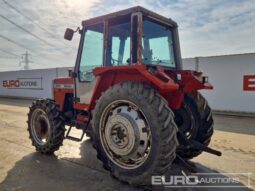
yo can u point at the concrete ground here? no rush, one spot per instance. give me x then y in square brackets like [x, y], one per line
[75, 167]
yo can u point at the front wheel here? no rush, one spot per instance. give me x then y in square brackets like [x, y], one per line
[45, 126]
[134, 133]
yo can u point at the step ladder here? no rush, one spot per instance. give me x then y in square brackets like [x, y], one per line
[74, 138]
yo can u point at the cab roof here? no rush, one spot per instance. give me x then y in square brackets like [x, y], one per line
[127, 12]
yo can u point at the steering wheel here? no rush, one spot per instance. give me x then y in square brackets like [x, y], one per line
[114, 61]
[117, 62]
[87, 75]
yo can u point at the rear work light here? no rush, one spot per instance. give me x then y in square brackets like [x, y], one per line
[205, 79]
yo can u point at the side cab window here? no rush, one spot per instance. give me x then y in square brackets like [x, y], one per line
[92, 52]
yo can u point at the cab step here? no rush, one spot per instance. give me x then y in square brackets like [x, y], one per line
[74, 138]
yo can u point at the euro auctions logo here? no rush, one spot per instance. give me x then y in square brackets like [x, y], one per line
[213, 180]
[11, 83]
[249, 83]
[23, 83]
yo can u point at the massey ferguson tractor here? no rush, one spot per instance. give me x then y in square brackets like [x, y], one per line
[129, 93]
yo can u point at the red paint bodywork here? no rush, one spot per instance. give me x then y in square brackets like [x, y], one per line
[161, 79]
[59, 93]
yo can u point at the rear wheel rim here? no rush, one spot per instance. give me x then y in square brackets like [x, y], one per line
[125, 134]
[186, 123]
[40, 126]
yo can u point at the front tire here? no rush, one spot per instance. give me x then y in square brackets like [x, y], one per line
[141, 117]
[45, 126]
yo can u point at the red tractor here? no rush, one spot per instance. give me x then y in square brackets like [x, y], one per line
[129, 93]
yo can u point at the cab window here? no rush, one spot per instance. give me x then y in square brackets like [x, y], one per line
[158, 47]
[92, 52]
[118, 48]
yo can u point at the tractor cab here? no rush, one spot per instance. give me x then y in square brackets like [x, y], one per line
[135, 36]
[132, 36]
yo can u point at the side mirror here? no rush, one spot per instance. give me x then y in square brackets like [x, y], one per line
[69, 34]
[71, 73]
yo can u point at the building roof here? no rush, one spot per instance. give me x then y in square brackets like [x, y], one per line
[222, 55]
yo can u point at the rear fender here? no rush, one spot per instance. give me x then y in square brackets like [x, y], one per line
[109, 76]
[193, 81]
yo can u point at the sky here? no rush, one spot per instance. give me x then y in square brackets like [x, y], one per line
[206, 27]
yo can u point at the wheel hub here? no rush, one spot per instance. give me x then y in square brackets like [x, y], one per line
[126, 135]
[185, 121]
[120, 134]
[40, 126]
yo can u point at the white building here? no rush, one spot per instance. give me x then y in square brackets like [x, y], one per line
[233, 78]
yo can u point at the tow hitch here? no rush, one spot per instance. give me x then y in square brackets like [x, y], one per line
[196, 145]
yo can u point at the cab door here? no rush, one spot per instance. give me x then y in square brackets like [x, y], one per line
[90, 56]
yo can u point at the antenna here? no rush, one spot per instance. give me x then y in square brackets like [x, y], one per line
[25, 60]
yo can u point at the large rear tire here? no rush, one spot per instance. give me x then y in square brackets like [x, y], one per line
[195, 121]
[45, 126]
[134, 133]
